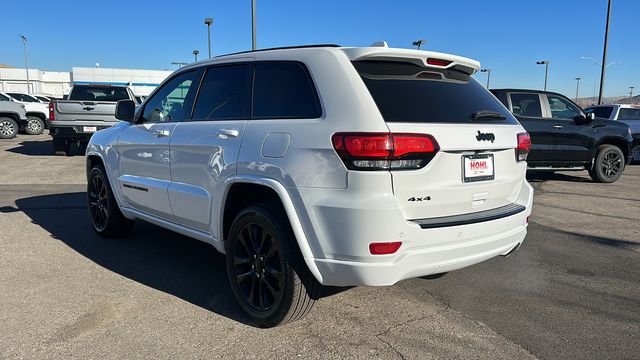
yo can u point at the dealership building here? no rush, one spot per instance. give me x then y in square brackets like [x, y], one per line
[58, 83]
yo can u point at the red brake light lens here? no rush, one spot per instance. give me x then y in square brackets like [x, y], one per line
[384, 248]
[438, 62]
[524, 146]
[384, 151]
[52, 114]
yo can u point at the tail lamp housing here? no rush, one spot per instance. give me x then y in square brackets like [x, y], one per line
[524, 146]
[52, 113]
[384, 151]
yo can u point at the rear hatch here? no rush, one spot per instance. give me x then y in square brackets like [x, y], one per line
[476, 167]
[91, 103]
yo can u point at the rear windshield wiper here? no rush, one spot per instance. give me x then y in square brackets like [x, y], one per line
[485, 114]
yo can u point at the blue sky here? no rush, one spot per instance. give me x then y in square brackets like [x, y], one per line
[507, 36]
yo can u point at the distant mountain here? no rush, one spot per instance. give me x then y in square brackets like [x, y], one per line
[588, 101]
[628, 100]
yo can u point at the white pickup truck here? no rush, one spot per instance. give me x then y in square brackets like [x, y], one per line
[88, 109]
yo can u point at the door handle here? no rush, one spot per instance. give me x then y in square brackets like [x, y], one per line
[227, 133]
[557, 126]
[161, 133]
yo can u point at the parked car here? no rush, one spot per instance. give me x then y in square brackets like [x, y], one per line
[12, 116]
[628, 114]
[319, 165]
[37, 113]
[89, 108]
[43, 99]
[563, 137]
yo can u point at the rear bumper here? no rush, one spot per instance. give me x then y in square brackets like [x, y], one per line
[75, 132]
[424, 251]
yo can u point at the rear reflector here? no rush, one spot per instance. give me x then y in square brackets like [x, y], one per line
[438, 62]
[524, 146]
[384, 248]
[384, 151]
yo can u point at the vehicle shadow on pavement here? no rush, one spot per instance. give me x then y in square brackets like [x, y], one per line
[158, 258]
[542, 176]
[41, 148]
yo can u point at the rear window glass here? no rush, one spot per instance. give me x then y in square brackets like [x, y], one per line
[526, 105]
[601, 111]
[629, 114]
[224, 93]
[98, 93]
[406, 92]
[284, 90]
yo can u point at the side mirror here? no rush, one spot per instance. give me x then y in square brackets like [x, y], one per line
[125, 110]
[591, 116]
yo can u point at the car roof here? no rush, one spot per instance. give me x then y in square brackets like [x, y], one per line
[527, 91]
[378, 51]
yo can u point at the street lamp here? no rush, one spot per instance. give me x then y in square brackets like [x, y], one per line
[599, 65]
[488, 71]
[546, 71]
[253, 24]
[26, 64]
[604, 54]
[577, 87]
[419, 43]
[209, 22]
[195, 55]
[179, 63]
[631, 91]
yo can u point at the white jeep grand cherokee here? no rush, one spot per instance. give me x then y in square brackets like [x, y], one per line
[319, 165]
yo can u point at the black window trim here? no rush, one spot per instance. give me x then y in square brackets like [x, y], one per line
[204, 70]
[140, 113]
[311, 81]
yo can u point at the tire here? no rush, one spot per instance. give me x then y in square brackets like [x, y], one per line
[608, 164]
[61, 147]
[104, 214]
[635, 154]
[8, 128]
[35, 125]
[274, 268]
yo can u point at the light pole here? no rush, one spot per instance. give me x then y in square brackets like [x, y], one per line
[631, 91]
[546, 71]
[195, 55]
[179, 63]
[488, 71]
[419, 43]
[577, 87]
[26, 63]
[253, 24]
[599, 65]
[209, 22]
[604, 55]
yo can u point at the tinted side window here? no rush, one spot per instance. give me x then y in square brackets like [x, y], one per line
[284, 90]
[4, 98]
[562, 108]
[601, 111]
[16, 96]
[629, 114]
[173, 100]
[224, 93]
[526, 105]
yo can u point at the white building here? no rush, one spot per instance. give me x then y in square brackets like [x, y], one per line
[57, 84]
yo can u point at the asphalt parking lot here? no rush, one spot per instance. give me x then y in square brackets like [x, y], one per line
[572, 291]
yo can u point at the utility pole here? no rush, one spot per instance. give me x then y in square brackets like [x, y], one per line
[253, 24]
[577, 87]
[631, 91]
[488, 71]
[26, 63]
[604, 55]
[546, 71]
[209, 21]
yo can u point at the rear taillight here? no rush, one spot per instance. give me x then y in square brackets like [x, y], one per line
[438, 62]
[524, 146]
[384, 151]
[52, 114]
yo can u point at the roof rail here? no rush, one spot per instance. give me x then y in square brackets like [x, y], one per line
[281, 48]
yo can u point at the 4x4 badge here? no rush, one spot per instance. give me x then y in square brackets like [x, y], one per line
[485, 136]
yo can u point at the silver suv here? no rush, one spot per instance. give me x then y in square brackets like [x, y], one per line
[319, 165]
